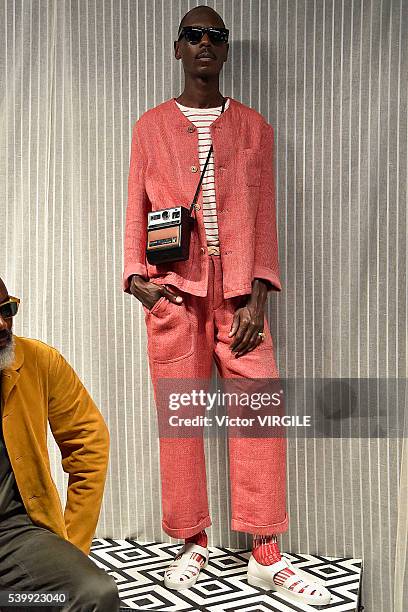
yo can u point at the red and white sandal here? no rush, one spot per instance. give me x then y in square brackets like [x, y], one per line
[314, 593]
[185, 568]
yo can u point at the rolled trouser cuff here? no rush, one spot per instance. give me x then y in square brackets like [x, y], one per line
[186, 532]
[240, 525]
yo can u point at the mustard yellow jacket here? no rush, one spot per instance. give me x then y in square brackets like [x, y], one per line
[40, 388]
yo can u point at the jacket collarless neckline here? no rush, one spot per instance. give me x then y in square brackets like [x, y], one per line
[183, 120]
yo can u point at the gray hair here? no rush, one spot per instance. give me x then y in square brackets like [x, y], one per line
[7, 354]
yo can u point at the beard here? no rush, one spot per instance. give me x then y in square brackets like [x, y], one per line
[7, 354]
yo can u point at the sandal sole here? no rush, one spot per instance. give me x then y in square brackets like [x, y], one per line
[271, 586]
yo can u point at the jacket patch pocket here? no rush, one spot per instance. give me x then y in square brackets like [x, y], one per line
[251, 167]
[169, 331]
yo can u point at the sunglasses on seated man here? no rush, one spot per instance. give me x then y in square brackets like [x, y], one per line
[9, 308]
[193, 34]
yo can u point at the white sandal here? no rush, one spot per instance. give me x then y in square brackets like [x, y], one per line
[184, 570]
[261, 576]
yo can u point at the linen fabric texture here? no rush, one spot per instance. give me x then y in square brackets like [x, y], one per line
[183, 340]
[163, 173]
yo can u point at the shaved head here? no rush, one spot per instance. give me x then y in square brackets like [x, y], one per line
[193, 15]
[195, 69]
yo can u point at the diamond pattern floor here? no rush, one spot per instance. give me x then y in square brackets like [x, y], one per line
[138, 570]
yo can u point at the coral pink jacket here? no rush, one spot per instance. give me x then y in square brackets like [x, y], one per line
[164, 171]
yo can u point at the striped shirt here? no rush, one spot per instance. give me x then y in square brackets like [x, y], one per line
[202, 118]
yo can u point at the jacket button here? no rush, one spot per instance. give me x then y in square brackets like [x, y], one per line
[202, 250]
[194, 169]
[197, 207]
[191, 128]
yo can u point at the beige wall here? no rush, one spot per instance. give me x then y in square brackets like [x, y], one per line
[331, 78]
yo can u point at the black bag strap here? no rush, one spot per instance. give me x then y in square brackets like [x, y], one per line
[194, 202]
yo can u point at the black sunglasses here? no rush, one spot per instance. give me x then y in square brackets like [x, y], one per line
[9, 309]
[193, 34]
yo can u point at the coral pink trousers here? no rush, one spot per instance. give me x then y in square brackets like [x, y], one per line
[182, 342]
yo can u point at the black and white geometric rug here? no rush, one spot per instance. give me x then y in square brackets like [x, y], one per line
[138, 570]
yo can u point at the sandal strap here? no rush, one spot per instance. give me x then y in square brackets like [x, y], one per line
[278, 566]
[181, 568]
[312, 586]
[190, 547]
[300, 583]
[291, 580]
[193, 563]
[186, 559]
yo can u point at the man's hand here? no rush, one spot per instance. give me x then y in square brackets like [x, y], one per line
[249, 320]
[148, 293]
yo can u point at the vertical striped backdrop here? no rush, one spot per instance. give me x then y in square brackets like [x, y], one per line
[331, 77]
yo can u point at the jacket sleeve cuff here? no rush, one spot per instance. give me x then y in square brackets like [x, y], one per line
[135, 268]
[268, 275]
